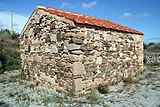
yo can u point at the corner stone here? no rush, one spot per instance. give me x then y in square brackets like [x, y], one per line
[78, 68]
[78, 84]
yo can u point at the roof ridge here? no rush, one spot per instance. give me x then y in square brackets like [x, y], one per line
[90, 20]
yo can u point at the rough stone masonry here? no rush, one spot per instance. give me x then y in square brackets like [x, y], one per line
[67, 50]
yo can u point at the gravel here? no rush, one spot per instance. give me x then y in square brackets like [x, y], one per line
[15, 92]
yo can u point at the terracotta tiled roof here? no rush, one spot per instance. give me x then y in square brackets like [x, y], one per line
[84, 19]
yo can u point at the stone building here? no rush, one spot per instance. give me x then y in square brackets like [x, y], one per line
[67, 50]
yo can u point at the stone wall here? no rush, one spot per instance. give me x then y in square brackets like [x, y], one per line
[65, 55]
[152, 57]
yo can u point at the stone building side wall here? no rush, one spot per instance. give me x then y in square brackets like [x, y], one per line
[65, 55]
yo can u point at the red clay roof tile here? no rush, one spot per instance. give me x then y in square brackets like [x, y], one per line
[89, 20]
[72, 16]
[80, 18]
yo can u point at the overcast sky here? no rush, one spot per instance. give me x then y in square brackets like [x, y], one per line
[141, 15]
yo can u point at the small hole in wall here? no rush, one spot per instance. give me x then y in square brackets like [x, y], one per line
[26, 37]
[52, 26]
[34, 49]
[70, 27]
[35, 34]
[70, 41]
[28, 48]
[38, 74]
[59, 36]
[128, 63]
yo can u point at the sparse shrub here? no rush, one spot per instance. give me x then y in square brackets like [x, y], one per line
[93, 96]
[150, 75]
[69, 91]
[31, 86]
[10, 94]
[103, 88]
[144, 61]
[144, 46]
[21, 82]
[153, 47]
[3, 80]
[10, 59]
[59, 100]
[127, 80]
[9, 51]
[60, 91]
[130, 80]
[155, 64]
[0, 66]
[14, 35]
[13, 79]
[24, 97]
[23, 75]
[46, 100]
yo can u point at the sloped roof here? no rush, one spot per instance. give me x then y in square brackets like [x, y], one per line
[84, 19]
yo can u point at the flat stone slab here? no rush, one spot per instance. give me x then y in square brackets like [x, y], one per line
[78, 68]
[78, 84]
[73, 47]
